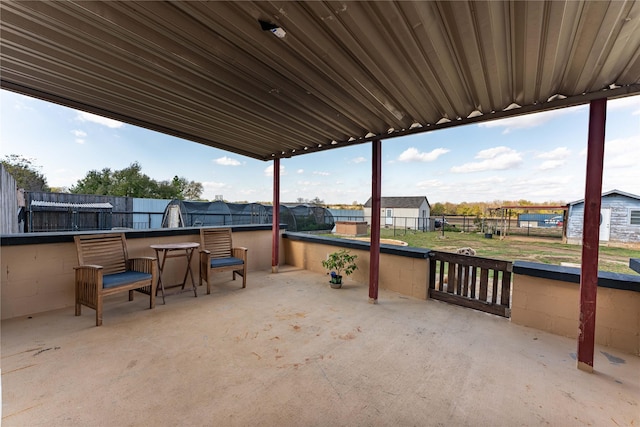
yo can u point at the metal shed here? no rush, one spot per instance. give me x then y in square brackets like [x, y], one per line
[180, 213]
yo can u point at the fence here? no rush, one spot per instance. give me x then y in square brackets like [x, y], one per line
[9, 222]
[464, 280]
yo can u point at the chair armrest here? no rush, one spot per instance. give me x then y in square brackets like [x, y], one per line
[89, 275]
[143, 264]
[205, 251]
[240, 252]
[88, 267]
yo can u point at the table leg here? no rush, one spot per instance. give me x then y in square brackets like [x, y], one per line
[161, 260]
[190, 271]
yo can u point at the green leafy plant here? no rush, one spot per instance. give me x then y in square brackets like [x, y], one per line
[341, 261]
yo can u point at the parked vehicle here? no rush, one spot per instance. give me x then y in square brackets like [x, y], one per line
[556, 220]
[438, 222]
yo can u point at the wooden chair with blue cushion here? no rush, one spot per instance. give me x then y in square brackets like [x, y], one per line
[105, 269]
[218, 255]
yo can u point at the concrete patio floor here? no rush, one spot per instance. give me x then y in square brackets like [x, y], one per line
[288, 350]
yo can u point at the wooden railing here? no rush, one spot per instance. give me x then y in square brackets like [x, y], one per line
[479, 283]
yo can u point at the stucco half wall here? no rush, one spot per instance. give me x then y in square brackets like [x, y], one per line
[548, 298]
[37, 269]
[402, 269]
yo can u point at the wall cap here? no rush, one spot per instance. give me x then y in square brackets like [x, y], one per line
[405, 251]
[67, 236]
[606, 279]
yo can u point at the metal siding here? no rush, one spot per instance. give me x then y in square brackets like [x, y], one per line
[621, 229]
[152, 212]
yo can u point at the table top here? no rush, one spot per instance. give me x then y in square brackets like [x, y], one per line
[175, 246]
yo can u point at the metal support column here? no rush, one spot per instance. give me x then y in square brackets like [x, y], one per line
[275, 226]
[591, 234]
[374, 252]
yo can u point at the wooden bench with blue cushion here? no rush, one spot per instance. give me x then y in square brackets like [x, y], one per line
[105, 268]
[217, 255]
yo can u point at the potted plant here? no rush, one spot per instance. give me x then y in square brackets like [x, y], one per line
[338, 263]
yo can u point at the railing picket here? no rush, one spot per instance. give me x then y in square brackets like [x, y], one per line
[505, 297]
[441, 279]
[432, 273]
[484, 280]
[451, 279]
[494, 293]
[474, 279]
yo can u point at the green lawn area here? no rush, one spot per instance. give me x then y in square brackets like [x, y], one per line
[512, 248]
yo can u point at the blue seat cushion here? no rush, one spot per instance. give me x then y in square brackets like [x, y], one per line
[119, 279]
[225, 262]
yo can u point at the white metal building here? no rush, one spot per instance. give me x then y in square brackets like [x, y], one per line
[402, 212]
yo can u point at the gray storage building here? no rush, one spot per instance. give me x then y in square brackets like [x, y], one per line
[619, 218]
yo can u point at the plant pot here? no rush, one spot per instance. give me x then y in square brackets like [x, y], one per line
[336, 282]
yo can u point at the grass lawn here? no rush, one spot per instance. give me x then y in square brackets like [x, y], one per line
[512, 248]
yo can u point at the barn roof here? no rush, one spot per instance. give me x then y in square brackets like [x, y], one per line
[609, 193]
[410, 202]
[345, 72]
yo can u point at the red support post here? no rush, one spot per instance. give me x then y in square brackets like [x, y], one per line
[374, 252]
[275, 226]
[591, 234]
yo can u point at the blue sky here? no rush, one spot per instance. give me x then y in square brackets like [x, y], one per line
[539, 157]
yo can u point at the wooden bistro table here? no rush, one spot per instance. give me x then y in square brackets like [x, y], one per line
[175, 250]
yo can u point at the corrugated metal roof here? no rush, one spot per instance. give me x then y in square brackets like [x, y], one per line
[41, 203]
[609, 193]
[346, 71]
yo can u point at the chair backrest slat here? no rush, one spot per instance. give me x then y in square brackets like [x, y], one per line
[217, 241]
[106, 250]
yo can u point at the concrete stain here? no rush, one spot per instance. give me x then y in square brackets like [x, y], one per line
[613, 359]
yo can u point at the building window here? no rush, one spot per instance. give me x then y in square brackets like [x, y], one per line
[635, 217]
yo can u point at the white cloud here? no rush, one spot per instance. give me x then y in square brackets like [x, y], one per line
[622, 152]
[632, 102]
[79, 134]
[269, 170]
[492, 153]
[557, 154]
[497, 158]
[300, 171]
[359, 160]
[413, 155]
[321, 173]
[527, 121]
[211, 188]
[226, 161]
[551, 164]
[88, 117]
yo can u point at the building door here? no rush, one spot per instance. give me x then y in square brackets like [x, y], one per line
[605, 224]
[389, 217]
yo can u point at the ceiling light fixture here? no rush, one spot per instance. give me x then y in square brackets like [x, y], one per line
[267, 26]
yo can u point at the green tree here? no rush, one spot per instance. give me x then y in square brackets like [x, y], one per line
[437, 209]
[25, 173]
[131, 182]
